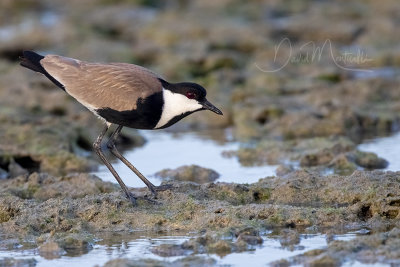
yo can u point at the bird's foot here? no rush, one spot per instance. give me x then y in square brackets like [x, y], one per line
[151, 201]
[164, 187]
[133, 199]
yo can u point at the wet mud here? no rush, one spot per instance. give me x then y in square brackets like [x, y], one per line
[307, 117]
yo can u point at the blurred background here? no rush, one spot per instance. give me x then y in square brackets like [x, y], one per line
[303, 84]
[279, 70]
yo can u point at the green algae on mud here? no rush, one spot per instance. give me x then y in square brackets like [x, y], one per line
[312, 114]
[338, 153]
[51, 145]
[44, 148]
[72, 210]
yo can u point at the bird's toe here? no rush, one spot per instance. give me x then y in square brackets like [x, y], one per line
[132, 199]
[164, 187]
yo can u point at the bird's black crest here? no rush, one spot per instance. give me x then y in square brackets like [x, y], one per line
[184, 88]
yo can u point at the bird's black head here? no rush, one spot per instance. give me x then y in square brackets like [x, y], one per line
[192, 91]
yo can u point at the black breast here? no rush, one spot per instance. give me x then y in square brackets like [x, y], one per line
[145, 116]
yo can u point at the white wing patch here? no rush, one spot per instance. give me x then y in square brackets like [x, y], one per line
[174, 105]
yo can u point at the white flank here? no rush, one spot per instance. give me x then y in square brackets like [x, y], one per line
[174, 105]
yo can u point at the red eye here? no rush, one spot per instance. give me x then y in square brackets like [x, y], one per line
[190, 95]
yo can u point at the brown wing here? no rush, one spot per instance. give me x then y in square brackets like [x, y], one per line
[116, 85]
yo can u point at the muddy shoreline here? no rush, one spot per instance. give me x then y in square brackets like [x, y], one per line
[70, 212]
[304, 113]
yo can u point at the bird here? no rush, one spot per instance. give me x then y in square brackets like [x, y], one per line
[121, 94]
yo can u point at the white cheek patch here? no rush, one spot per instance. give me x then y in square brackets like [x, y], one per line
[175, 105]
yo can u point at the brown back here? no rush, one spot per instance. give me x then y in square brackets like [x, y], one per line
[96, 85]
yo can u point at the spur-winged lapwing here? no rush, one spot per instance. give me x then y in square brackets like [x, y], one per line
[122, 94]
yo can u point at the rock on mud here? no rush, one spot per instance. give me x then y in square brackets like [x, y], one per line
[42, 186]
[370, 160]
[192, 173]
[50, 250]
[168, 250]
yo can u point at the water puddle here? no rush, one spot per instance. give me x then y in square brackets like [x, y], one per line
[172, 150]
[272, 250]
[385, 147]
[139, 245]
[384, 73]
[167, 150]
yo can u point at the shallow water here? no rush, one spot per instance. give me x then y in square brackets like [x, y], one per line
[383, 72]
[138, 246]
[167, 150]
[172, 150]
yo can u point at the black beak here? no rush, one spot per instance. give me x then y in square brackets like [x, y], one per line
[207, 105]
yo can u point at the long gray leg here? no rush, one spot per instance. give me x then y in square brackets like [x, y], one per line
[99, 152]
[115, 152]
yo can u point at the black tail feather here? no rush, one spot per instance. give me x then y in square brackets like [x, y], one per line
[31, 60]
